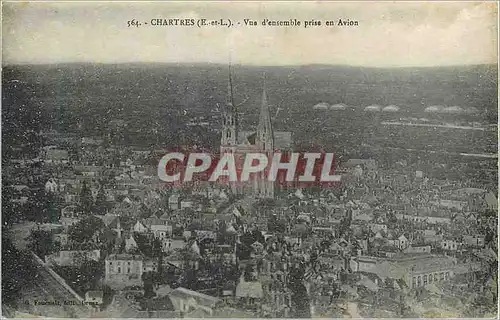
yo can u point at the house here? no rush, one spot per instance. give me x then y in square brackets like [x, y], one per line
[175, 259]
[363, 263]
[130, 244]
[56, 156]
[69, 211]
[249, 291]
[70, 198]
[161, 231]
[185, 301]
[418, 249]
[401, 242]
[388, 251]
[113, 222]
[122, 270]
[140, 227]
[474, 240]
[376, 227]
[379, 235]
[173, 244]
[187, 203]
[51, 186]
[450, 244]
[68, 221]
[173, 202]
[430, 236]
[94, 297]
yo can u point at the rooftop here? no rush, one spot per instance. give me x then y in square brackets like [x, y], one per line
[124, 257]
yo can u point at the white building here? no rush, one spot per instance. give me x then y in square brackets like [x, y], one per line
[161, 231]
[122, 270]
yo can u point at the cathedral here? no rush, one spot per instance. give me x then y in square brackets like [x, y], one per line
[263, 140]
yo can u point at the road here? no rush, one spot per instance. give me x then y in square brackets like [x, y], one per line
[45, 288]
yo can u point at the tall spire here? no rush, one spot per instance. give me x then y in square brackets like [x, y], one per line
[265, 143]
[229, 100]
[229, 136]
[265, 129]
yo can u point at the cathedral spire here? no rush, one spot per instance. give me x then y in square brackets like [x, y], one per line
[265, 143]
[229, 100]
[265, 129]
[230, 117]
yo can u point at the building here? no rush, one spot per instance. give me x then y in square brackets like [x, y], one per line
[450, 244]
[56, 156]
[239, 143]
[415, 270]
[71, 258]
[161, 231]
[185, 300]
[51, 186]
[400, 242]
[94, 297]
[418, 249]
[475, 240]
[140, 227]
[122, 270]
[173, 201]
[427, 270]
[130, 244]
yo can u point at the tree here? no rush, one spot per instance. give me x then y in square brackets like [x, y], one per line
[101, 204]
[300, 299]
[18, 271]
[41, 243]
[53, 212]
[221, 234]
[86, 201]
[148, 284]
[190, 280]
[84, 230]
[158, 253]
[276, 225]
[87, 276]
[42, 206]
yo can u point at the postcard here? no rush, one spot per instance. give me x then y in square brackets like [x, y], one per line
[249, 159]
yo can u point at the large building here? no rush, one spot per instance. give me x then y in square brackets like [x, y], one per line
[122, 270]
[239, 143]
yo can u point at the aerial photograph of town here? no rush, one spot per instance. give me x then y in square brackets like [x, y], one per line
[92, 229]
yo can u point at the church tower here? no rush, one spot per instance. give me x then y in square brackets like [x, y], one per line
[229, 134]
[229, 137]
[265, 143]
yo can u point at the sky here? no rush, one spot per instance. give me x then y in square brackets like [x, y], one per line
[389, 34]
